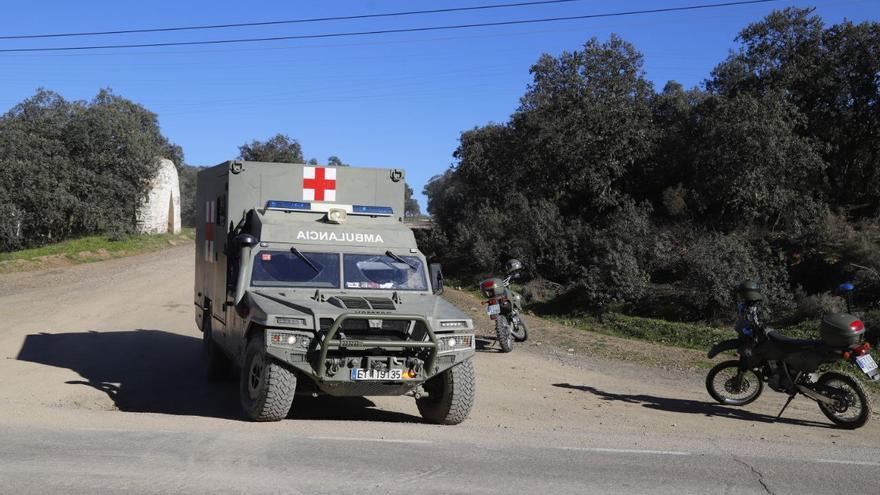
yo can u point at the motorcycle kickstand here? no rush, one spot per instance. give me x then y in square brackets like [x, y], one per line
[790, 398]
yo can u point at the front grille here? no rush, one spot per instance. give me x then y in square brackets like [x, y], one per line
[380, 303]
[354, 302]
[357, 328]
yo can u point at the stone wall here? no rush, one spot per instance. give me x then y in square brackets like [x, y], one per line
[160, 213]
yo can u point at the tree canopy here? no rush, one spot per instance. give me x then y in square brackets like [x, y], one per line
[623, 195]
[72, 168]
[279, 148]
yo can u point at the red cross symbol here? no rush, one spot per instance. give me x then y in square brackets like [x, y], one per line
[319, 184]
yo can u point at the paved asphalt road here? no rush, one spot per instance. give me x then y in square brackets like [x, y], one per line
[100, 392]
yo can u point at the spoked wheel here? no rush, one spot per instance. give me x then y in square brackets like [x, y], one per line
[502, 333]
[518, 330]
[851, 408]
[729, 385]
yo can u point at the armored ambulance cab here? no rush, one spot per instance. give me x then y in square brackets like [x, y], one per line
[308, 282]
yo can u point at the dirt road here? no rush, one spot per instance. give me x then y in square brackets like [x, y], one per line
[101, 391]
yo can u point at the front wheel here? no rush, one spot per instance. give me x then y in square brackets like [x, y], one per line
[851, 408]
[502, 333]
[266, 388]
[519, 330]
[450, 395]
[729, 385]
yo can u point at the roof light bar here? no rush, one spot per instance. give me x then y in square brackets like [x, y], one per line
[288, 205]
[318, 207]
[378, 211]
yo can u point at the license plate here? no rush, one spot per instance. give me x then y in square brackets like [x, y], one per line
[867, 364]
[493, 309]
[385, 375]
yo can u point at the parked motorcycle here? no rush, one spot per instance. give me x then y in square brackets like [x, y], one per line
[792, 366]
[504, 306]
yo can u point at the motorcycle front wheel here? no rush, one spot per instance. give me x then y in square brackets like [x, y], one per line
[729, 385]
[518, 330]
[851, 408]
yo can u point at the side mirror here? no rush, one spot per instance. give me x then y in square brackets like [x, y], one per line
[244, 243]
[436, 277]
[245, 240]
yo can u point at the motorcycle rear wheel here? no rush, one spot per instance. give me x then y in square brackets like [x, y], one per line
[852, 409]
[502, 333]
[730, 386]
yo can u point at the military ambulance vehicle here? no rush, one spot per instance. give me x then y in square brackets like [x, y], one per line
[308, 282]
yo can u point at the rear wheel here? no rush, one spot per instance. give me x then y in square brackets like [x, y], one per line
[218, 366]
[502, 333]
[450, 395]
[266, 388]
[519, 330]
[851, 408]
[729, 385]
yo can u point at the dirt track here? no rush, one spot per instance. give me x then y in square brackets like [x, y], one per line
[112, 347]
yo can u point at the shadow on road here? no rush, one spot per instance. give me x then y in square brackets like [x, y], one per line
[689, 406]
[484, 344]
[161, 372]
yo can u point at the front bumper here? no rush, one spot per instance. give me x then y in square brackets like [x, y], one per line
[328, 360]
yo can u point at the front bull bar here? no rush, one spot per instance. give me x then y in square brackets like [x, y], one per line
[329, 342]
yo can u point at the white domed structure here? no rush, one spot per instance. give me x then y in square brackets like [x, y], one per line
[160, 213]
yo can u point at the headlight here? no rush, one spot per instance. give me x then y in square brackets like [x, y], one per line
[454, 324]
[290, 340]
[450, 343]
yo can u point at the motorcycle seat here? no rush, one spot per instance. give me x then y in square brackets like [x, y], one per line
[790, 342]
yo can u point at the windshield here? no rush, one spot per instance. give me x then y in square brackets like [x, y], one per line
[379, 271]
[287, 269]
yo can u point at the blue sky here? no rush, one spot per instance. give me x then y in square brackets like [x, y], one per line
[397, 100]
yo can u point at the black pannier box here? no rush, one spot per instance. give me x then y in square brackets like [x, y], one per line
[842, 330]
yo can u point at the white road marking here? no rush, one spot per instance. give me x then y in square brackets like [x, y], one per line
[839, 461]
[359, 439]
[625, 451]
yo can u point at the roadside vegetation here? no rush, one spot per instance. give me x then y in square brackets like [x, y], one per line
[90, 249]
[619, 198]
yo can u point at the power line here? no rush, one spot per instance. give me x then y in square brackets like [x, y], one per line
[287, 21]
[389, 31]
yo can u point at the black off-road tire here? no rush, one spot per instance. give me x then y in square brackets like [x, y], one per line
[520, 331]
[859, 393]
[502, 333]
[753, 381]
[217, 364]
[266, 388]
[450, 395]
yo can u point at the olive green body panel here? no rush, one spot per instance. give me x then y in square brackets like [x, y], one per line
[233, 192]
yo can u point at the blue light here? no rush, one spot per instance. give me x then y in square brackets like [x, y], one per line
[386, 211]
[287, 205]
